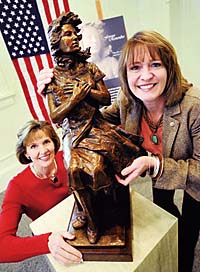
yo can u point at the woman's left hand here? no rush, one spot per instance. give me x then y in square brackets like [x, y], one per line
[62, 251]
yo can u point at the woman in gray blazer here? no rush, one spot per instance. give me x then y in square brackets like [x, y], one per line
[157, 103]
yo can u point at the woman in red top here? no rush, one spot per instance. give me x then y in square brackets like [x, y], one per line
[33, 191]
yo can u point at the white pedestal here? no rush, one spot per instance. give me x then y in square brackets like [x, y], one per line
[155, 238]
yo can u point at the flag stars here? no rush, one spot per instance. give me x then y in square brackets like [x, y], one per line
[6, 7]
[14, 54]
[22, 28]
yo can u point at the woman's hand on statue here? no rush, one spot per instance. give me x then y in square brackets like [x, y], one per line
[62, 251]
[134, 170]
[45, 76]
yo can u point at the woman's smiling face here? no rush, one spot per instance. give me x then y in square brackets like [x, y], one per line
[146, 76]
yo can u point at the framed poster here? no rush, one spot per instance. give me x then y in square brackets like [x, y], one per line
[105, 39]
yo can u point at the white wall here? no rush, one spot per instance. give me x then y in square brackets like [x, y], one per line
[13, 113]
[177, 20]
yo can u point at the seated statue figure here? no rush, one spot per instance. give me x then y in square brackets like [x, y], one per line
[98, 150]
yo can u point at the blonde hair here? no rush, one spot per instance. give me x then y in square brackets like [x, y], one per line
[29, 128]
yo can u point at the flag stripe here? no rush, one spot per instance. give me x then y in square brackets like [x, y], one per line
[24, 63]
[29, 62]
[57, 9]
[25, 88]
[47, 11]
[66, 5]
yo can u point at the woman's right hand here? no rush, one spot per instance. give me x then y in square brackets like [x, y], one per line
[135, 169]
[45, 76]
[62, 251]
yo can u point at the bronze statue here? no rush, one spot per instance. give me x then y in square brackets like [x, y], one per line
[99, 150]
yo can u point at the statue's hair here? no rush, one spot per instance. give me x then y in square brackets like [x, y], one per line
[54, 33]
[55, 29]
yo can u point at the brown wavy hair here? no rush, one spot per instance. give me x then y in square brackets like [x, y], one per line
[156, 44]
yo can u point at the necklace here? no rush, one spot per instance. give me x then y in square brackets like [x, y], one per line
[153, 127]
[52, 176]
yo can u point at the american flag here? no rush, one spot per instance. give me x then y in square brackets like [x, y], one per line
[24, 24]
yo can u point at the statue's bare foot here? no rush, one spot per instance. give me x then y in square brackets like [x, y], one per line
[92, 235]
[80, 222]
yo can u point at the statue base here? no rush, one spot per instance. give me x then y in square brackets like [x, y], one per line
[115, 241]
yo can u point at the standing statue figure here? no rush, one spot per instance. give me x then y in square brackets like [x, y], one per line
[99, 150]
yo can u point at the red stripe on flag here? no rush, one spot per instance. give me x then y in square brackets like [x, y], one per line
[47, 11]
[66, 5]
[57, 9]
[25, 88]
[39, 62]
[34, 82]
[50, 61]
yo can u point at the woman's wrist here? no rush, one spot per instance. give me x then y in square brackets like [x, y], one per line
[156, 170]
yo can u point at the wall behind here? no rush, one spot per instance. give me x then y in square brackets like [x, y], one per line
[13, 113]
[177, 20]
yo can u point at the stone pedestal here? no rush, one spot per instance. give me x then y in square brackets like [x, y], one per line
[155, 238]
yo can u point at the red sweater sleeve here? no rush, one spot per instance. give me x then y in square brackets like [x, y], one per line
[12, 247]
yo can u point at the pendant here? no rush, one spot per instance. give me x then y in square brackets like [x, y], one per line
[154, 139]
